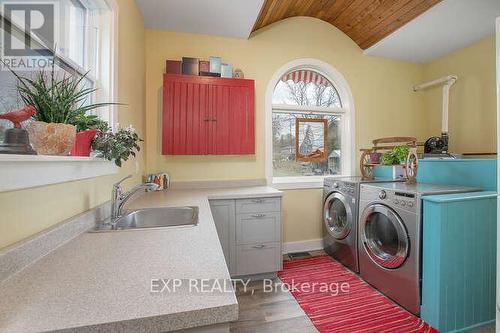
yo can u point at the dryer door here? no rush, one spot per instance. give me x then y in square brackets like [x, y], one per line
[337, 215]
[384, 236]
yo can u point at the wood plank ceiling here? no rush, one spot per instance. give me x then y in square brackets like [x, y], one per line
[365, 21]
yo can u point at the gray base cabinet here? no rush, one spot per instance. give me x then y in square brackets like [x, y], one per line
[250, 234]
[223, 214]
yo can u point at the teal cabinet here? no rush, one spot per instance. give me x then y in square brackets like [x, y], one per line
[480, 173]
[459, 261]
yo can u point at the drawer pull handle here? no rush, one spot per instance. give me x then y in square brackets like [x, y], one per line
[258, 201]
[258, 216]
[261, 246]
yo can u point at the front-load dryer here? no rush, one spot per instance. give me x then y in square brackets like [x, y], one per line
[390, 237]
[340, 218]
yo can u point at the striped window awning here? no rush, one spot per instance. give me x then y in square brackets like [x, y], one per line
[306, 76]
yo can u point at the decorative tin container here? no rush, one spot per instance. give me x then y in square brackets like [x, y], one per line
[215, 64]
[174, 67]
[190, 66]
[226, 70]
[204, 66]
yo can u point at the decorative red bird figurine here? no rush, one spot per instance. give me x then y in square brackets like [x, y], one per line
[19, 116]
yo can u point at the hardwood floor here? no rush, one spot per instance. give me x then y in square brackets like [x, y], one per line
[266, 312]
[485, 329]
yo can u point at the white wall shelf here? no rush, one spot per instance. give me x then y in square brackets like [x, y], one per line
[25, 171]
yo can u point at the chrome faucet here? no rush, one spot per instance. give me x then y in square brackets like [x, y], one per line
[119, 199]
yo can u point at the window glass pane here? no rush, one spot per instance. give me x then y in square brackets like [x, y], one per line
[76, 38]
[284, 159]
[10, 99]
[72, 27]
[307, 88]
[78, 41]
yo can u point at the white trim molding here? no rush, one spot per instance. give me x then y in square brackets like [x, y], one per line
[26, 171]
[111, 40]
[296, 183]
[348, 122]
[303, 246]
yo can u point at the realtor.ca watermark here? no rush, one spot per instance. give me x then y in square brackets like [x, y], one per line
[30, 31]
[220, 286]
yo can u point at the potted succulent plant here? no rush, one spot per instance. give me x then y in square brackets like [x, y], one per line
[62, 103]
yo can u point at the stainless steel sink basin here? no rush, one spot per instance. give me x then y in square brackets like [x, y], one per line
[164, 217]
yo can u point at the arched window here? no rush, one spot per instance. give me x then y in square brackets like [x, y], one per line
[311, 117]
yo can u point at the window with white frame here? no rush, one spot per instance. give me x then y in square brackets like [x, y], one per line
[311, 134]
[85, 44]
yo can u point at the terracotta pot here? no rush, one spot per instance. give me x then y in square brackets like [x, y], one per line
[83, 143]
[51, 138]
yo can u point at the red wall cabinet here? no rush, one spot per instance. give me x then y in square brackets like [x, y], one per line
[208, 116]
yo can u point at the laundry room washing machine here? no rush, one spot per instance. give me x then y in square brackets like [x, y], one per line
[390, 237]
[340, 218]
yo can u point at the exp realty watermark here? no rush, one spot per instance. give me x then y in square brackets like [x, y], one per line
[219, 286]
[30, 31]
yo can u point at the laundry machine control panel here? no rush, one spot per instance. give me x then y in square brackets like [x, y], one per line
[395, 199]
[403, 200]
[347, 188]
[343, 187]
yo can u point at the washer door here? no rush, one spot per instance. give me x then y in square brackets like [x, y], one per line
[337, 216]
[384, 236]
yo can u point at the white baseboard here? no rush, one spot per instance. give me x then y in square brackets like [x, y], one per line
[302, 246]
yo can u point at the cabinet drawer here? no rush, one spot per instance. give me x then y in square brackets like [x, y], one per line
[258, 228]
[258, 205]
[258, 258]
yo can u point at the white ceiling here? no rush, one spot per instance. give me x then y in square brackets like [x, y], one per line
[232, 18]
[448, 26]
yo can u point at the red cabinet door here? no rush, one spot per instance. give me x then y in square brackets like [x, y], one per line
[233, 115]
[205, 115]
[185, 117]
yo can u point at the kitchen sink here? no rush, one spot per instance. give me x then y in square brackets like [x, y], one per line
[144, 218]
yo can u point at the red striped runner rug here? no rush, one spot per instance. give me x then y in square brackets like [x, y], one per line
[336, 300]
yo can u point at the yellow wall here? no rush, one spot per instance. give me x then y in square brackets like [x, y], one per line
[26, 212]
[381, 88]
[472, 111]
[302, 215]
[384, 102]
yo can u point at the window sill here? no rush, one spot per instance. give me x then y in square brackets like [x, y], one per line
[296, 183]
[26, 171]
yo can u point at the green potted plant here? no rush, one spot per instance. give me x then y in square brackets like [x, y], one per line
[391, 162]
[116, 146]
[62, 104]
[395, 156]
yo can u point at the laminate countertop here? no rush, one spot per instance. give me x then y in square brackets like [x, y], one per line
[103, 281]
